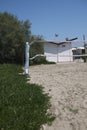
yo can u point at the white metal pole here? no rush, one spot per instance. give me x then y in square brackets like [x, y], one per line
[27, 46]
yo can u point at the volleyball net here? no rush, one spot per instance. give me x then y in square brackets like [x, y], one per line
[63, 58]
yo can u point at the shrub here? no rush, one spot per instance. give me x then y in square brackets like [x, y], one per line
[23, 106]
[38, 60]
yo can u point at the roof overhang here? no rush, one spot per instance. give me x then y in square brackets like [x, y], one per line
[74, 40]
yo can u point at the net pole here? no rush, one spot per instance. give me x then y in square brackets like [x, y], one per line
[27, 47]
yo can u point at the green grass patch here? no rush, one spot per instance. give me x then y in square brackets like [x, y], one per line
[23, 106]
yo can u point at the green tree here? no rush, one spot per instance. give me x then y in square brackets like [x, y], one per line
[37, 48]
[13, 35]
[27, 25]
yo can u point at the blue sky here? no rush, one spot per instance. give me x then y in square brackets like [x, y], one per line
[67, 18]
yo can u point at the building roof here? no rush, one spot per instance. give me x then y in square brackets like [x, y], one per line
[78, 48]
[57, 43]
[52, 42]
[61, 42]
[81, 47]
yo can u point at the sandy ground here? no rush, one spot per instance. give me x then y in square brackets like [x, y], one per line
[66, 83]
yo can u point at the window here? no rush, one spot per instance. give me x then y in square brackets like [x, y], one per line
[63, 45]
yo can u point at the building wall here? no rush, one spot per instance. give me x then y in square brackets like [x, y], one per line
[58, 53]
[50, 50]
[65, 52]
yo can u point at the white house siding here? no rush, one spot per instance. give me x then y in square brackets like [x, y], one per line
[50, 50]
[58, 53]
[65, 52]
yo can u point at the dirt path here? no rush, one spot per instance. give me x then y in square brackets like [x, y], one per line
[67, 84]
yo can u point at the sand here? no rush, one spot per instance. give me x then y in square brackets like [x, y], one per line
[66, 83]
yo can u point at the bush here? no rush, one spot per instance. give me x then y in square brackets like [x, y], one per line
[23, 106]
[38, 60]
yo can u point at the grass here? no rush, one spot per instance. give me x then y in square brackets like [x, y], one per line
[23, 106]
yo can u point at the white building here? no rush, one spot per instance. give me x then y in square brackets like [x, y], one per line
[58, 52]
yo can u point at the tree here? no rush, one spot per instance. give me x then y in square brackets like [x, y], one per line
[27, 25]
[13, 35]
[37, 48]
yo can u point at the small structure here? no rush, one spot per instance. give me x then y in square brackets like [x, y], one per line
[78, 50]
[78, 53]
[85, 46]
[59, 52]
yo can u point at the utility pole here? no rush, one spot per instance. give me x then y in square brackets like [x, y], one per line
[84, 39]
